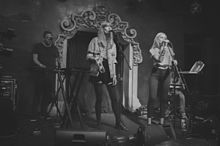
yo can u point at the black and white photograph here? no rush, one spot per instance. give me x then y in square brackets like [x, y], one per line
[109, 73]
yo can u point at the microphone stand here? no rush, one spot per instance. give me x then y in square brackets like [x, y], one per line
[177, 70]
[121, 50]
[123, 55]
[120, 78]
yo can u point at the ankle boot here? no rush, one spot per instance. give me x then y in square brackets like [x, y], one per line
[121, 126]
[98, 118]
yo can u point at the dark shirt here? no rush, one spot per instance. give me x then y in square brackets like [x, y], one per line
[46, 55]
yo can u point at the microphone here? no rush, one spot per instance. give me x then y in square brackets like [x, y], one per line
[166, 41]
[111, 31]
[108, 31]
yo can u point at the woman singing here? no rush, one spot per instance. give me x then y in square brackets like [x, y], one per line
[163, 58]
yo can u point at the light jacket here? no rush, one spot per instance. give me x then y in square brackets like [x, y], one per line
[97, 51]
[163, 57]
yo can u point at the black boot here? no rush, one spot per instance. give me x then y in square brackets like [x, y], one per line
[98, 118]
[98, 112]
[121, 126]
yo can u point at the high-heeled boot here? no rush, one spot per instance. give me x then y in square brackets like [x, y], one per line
[121, 126]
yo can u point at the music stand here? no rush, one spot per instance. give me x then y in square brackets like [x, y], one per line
[192, 78]
[195, 69]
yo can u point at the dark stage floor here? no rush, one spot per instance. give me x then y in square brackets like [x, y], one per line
[36, 131]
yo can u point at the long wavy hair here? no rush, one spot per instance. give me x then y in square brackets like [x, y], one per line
[106, 39]
[157, 43]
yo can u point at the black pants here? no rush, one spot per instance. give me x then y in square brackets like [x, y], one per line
[115, 101]
[104, 78]
[44, 90]
[158, 87]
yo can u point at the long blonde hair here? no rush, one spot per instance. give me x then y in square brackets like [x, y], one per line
[103, 38]
[156, 43]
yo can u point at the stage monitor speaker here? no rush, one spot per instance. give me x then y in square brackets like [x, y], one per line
[80, 138]
[151, 135]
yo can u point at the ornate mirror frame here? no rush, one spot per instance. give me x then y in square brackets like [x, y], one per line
[91, 20]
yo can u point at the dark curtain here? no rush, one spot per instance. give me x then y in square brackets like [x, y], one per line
[77, 50]
[80, 90]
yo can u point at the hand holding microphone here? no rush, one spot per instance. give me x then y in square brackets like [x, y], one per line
[166, 41]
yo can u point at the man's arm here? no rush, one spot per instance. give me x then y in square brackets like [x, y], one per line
[36, 61]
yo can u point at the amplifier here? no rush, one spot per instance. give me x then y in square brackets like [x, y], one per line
[8, 88]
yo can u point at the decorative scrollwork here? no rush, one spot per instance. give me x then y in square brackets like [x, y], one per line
[131, 33]
[92, 19]
[114, 19]
[137, 56]
[67, 25]
[86, 20]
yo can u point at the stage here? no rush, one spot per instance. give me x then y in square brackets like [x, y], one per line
[41, 131]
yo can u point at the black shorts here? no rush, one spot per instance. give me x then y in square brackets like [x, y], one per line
[103, 78]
